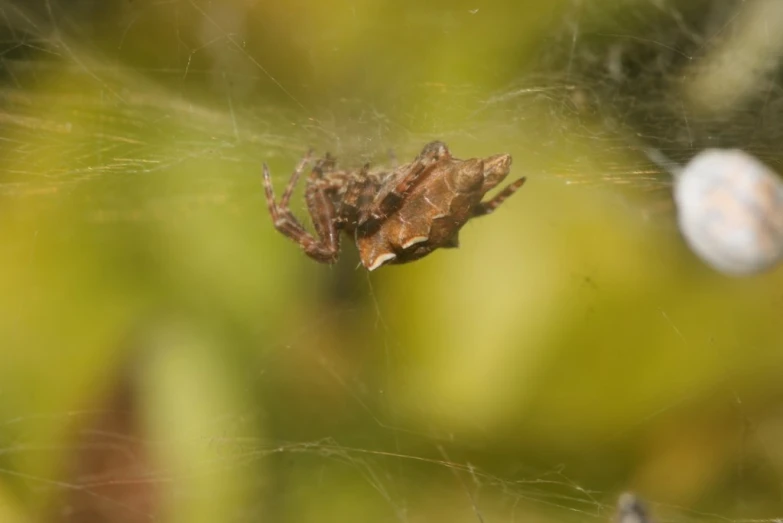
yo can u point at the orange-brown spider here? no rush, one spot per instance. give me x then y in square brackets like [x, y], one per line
[395, 216]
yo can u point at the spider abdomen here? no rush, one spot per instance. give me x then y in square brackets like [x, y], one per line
[431, 216]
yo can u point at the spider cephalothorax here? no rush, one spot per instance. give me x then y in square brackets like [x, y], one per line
[395, 216]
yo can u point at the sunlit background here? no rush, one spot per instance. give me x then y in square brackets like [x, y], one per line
[167, 356]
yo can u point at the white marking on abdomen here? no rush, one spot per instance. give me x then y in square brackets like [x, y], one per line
[380, 260]
[414, 241]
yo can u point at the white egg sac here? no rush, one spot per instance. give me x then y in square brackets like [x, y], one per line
[730, 211]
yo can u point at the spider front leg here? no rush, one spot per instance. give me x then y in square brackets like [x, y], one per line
[325, 249]
[490, 205]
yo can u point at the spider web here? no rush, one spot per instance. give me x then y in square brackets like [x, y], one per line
[169, 357]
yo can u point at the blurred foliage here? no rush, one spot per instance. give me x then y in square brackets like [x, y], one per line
[167, 356]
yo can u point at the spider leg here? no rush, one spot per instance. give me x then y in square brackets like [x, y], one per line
[348, 211]
[326, 249]
[289, 189]
[488, 206]
[323, 214]
[280, 212]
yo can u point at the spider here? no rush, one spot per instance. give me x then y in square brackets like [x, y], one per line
[395, 216]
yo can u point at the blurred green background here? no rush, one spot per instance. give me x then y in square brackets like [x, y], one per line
[168, 356]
